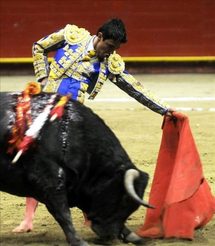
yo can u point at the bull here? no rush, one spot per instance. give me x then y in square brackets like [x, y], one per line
[76, 161]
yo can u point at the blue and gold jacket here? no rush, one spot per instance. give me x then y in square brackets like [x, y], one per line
[76, 70]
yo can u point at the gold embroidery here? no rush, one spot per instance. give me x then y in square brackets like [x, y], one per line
[84, 87]
[69, 66]
[51, 39]
[139, 87]
[89, 55]
[74, 34]
[51, 86]
[81, 96]
[116, 64]
[55, 70]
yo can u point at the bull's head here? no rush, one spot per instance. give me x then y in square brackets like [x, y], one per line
[115, 201]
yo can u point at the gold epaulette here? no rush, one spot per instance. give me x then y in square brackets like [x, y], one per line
[116, 64]
[74, 34]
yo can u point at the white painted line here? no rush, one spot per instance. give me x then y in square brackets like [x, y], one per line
[114, 100]
[189, 109]
[211, 109]
[188, 99]
[195, 109]
[166, 99]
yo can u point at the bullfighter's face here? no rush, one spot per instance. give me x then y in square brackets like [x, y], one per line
[104, 48]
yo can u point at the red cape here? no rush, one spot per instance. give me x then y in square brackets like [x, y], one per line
[180, 194]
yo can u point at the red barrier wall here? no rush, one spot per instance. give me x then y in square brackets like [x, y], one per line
[155, 27]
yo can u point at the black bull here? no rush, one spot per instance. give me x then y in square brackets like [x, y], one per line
[76, 161]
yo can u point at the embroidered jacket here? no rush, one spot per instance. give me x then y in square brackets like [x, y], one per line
[76, 70]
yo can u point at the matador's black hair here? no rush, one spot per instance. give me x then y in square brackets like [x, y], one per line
[114, 29]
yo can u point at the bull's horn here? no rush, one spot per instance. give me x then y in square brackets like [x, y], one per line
[130, 176]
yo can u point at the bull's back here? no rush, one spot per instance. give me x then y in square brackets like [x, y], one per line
[7, 101]
[97, 136]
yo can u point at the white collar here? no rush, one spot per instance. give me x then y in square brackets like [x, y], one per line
[90, 45]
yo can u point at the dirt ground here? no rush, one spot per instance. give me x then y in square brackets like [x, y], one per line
[139, 131]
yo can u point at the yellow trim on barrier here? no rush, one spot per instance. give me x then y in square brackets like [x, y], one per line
[170, 59]
[18, 60]
[129, 59]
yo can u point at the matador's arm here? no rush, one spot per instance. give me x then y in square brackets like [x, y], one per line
[133, 88]
[40, 52]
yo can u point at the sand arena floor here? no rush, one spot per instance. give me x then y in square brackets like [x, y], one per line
[139, 132]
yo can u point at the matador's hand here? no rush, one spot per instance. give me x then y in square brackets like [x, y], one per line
[170, 112]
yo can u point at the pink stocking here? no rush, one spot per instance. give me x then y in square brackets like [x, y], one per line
[27, 224]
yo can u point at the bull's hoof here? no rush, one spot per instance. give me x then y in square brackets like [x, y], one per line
[128, 236]
[84, 244]
[133, 238]
[80, 243]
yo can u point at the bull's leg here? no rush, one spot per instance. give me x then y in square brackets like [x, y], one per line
[128, 236]
[27, 224]
[49, 182]
[58, 207]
